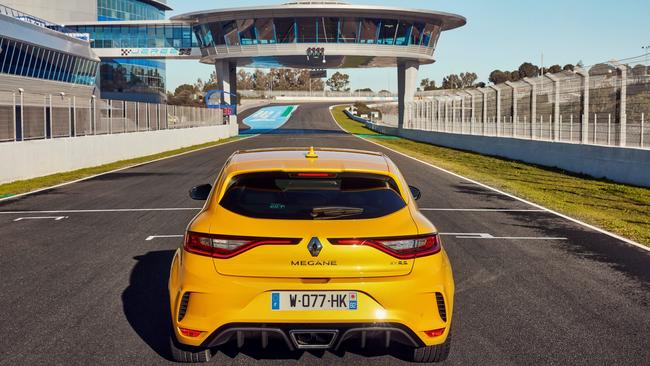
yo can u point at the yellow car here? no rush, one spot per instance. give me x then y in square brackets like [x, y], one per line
[314, 249]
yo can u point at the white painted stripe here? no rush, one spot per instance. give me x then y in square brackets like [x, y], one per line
[125, 168]
[101, 210]
[55, 218]
[152, 237]
[481, 210]
[491, 237]
[592, 227]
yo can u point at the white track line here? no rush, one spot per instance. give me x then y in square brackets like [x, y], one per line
[102, 210]
[592, 227]
[99, 210]
[152, 237]
[120, 169]
[490, 237]
[481, 210]
[55, 218]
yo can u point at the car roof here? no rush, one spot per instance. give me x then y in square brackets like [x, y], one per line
[296, 159]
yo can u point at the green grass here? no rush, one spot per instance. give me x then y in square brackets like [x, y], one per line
[619, 208]
[351, 125]
[28, 185]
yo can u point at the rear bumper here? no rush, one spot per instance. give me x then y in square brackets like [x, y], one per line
[393, 309]
[364, 334]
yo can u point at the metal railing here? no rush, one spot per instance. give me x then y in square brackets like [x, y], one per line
[27, 116]
[607, 104]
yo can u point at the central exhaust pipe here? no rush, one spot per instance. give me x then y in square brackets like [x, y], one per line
[313, 339]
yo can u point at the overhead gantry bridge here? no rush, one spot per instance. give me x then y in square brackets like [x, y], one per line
[306, 35]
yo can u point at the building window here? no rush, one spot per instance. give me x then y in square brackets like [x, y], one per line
[349, 30]
[265, 30]
[27, 60]
[285, 30]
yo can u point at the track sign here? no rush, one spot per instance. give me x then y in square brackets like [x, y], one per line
[318, 74]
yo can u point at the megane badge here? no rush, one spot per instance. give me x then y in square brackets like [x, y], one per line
[314, 247]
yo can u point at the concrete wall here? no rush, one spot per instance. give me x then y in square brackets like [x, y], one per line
[30, 159]
[624, 165]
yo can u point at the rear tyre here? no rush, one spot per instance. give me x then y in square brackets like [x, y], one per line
[183, 353]
[431, 354]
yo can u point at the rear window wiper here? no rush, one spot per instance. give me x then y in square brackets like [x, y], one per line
[331, 213]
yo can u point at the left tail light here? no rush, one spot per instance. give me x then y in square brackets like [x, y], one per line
[401, 247]
[222, 246]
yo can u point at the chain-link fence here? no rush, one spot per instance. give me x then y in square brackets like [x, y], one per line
[26, 116]
[605, 104]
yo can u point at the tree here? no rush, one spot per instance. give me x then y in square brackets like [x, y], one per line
[452, 81]
[339, 82]
[468, 79]
[568, 67]
[427, 84]
[554, 69]
[515, 76]
[364, 90]
[244, 80]
[528, 70]
[481, 85]
[186, 94]
[498, 77]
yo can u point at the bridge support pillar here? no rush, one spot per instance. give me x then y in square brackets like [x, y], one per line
[227, 81]
[407, 75]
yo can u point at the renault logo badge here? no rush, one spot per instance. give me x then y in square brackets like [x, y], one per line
[314, 247]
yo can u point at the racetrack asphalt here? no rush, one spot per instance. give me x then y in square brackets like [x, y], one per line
[85, 286]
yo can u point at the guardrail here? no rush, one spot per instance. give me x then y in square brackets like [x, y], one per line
[26, 116]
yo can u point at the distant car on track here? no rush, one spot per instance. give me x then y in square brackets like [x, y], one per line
[314, 249]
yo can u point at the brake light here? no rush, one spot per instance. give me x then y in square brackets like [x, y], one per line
[222, 246]
[402, 247]
[315, 175]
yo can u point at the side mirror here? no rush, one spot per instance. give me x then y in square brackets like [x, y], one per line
[201, 193]
[415, 192]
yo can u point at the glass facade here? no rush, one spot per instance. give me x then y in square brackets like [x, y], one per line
[139, 36]
[317, 30]
[130, 76]
[23, 59]
[127, 10]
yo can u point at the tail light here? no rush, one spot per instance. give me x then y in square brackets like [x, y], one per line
[402, 247]
[190, 332]
[435, 332]
[221, 246]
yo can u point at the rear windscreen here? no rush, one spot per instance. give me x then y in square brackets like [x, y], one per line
[312, 196]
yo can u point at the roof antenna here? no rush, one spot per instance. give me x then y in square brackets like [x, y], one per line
[311, 154]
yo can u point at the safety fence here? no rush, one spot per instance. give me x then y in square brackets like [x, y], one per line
[25, 116]
[606, 104]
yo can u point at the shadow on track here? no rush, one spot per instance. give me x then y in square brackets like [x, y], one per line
[277, 350]
[146, 300]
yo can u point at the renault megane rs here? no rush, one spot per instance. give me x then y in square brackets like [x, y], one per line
[315, 249]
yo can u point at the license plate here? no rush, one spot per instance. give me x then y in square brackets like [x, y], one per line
[314, 300]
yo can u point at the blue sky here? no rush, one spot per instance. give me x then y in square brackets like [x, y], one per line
[500, 34]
